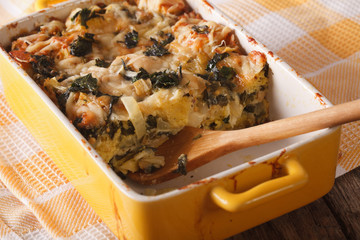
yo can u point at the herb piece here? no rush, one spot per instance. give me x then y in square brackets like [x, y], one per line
[212, 98]
[242, 97]
[225, 74]
[211, 66]
[112, 164]
[62, 99]
[82, 45]
[101, 63]
[76, 15]
[85, 84]
[124, 65]
[85, 15]
[168, 40]
[113, 101]
[221, 100]
[142, 74]
[181, 75]
[158, 49]
[203, 29]
[151, 122]
[61, 77]
[213, 125]
[165, 79]
[203, 76]
[83, 129]
[266, 70]
[127, 128]
[111, 128]
[182, 161]
[249, 108]
[197, 136]
[43, 65]
[246, 98]
[131, 39]
[227, 119]
[77, 121]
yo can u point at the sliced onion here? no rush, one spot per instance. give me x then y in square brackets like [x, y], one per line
[135, 115]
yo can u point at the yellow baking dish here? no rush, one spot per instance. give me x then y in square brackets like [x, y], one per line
[227, 196]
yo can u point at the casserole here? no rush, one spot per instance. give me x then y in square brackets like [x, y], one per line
[128, 78]
[215, 201]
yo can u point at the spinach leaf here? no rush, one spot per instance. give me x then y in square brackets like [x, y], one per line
[225, 74]
[85, 15]
[62, 99]
[250, 108]
[165, 79]
[158, 49]
[43, 65]
[168, 40]
[217, 78]
[211, 99]
[142, 74]
[86, 132]
[101, 63]
[205, 76]
[204, 29]
[151, 122]
[226, 119]
[82, 45]
[126, 68]
[113, 101]
[131, 39]
[221, 100]
[211, 66]
[266, 70]
[111, 128]
[85, 84]
[127, 128]
[180, 73]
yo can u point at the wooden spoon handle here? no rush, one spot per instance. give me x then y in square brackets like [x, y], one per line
[293, 126]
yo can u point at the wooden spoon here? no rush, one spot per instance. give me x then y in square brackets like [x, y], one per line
[202, 146]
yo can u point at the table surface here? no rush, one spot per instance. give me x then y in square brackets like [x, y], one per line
[334, 216]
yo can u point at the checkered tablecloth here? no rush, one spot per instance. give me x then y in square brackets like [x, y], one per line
[320, 39]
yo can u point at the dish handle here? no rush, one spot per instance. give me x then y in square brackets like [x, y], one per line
[295, 179]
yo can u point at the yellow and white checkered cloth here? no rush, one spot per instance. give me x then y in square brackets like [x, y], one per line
[318, 38]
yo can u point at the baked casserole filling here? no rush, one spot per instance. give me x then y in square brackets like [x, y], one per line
[130, 74]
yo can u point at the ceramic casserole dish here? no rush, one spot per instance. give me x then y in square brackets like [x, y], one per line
[229, 195]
